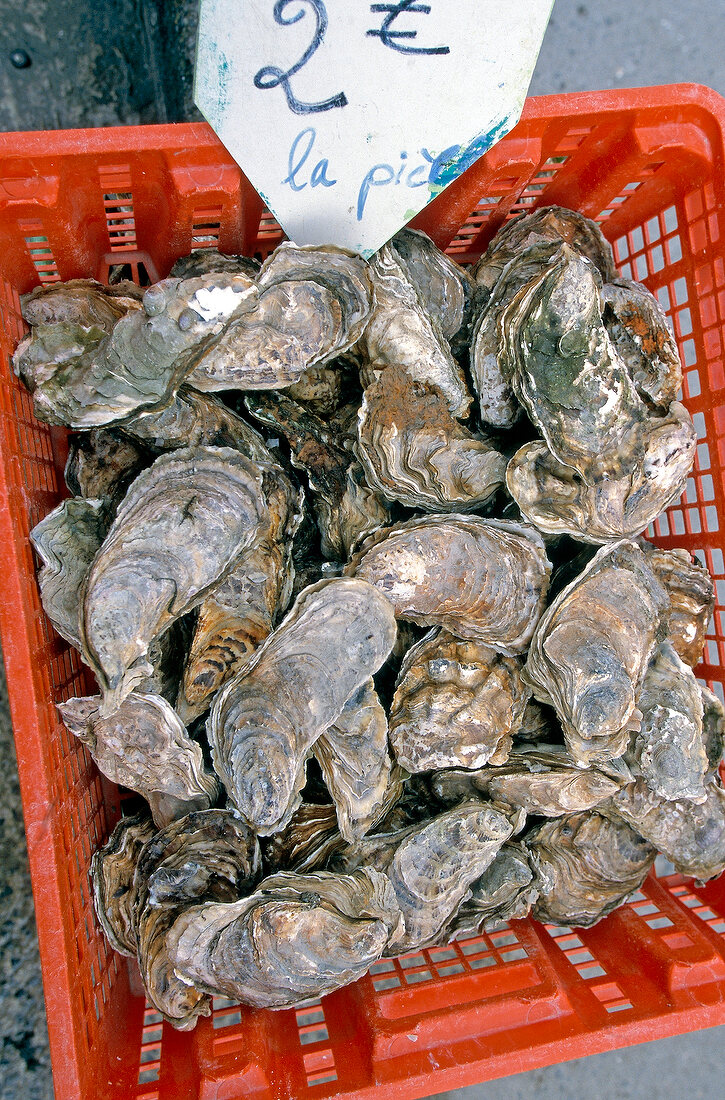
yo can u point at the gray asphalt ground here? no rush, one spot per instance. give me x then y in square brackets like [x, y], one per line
[100, 63]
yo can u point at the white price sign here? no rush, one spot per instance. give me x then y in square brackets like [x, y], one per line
[349, 116]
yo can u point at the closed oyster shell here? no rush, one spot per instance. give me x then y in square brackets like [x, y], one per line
[183, 523]
[143, 745]
[691, 835]
[585, 866]
[444, 288]
[205, 857]
[434, 866]
[456, 704]
[308, 840]
[207, 261]
[639, 330]
[610, 504]
[505, 891]
[591, 649]
[80, 301]
[102, 464]
[713, 729]
[492, 589]
[669, 750]
[692, 599]
[312, 305]
[296, 939]
[401, 333]
[67, 540]
[414, 451]
[112, 878]
[544, 781]
[264, 723]
[355, 762]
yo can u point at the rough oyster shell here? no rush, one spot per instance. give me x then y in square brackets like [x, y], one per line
[585, 866]
[692, 599]
[456, 704]
[444, 288]
[207, 261]
[492, 590]
[312, 305]
[264, 723]
[544, 781]
[611, 504]
[505, 891]
[639, 330]
[591, 649]
[320, 387]
[112, 879]
[308, 840]
[691, 835]
[296, 939]
[401, 333]
[102, 464]
[355, 762]
[80, 301]
[713, 729]
[143, 745]
[182, 524]
[204, 857]
[669, 750]
[67, 540]
[414, 451]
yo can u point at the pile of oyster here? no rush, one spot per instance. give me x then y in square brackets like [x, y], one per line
[387, 665]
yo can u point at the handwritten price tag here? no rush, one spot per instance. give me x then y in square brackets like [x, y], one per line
[350, 116]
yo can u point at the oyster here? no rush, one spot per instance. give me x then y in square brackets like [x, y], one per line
[492, 590]
[67, 541]
[264, 722]
[183, 523]
[207, 857]
[505, 891]
[112, 879]
[207, 261]
[400, 333]
[543, 780]
[308, 840]
[639, 330]
[196, 420]
[102, 464]
[444, 289]
[591, 649]
[296, 939]
[414, 451]
[345, 508]
[80, 301]
[320, 387]
[312, 305]
[669, 750]
[355, 762]
[713, 729]
[84, 377]
[144, 746]
[434, 866]
[456, 704]
[243, 608]
[585, 866]
[691, 835]
[610, 504]
[692, 599]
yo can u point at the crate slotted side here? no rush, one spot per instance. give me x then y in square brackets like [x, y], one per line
[648, 165]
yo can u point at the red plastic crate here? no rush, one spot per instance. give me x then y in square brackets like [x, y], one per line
[648, 165]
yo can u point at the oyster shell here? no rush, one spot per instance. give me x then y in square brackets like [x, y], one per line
[444, 288]
[320, 387]
[713, 729]
[312, 305]
[434, 866]
[692, 599]
[691, 835]
[544, 781]
[414, 451]
[456, 704]
[669, 750]
[112, 873]
[144, 746]
[611, 504]
[207, 261]
[207, 857]
[308, 840]
[639, 330]
[492, 591]
[401, 333]
[585, 866]
[264, 723]
[67, 540]
[80, 301]
[102, 464]
[505, 891]
[591, 649]
[297, 938]
[183, 523]
[355, 762]
[345, 508]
